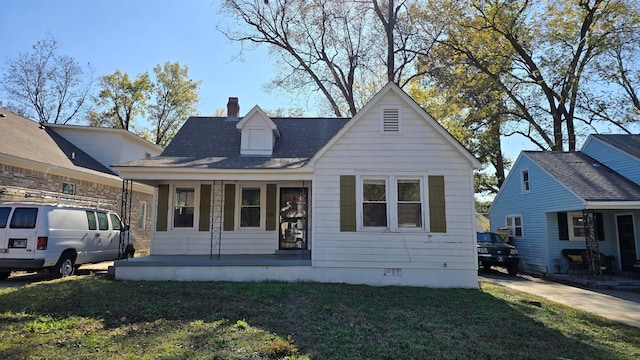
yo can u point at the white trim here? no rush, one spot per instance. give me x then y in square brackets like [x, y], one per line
[391, 182]
[571, 228]
[525, 185]
[196, 208]
[238, 206]
[506, 224]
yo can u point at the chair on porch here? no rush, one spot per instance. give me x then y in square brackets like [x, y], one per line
[576, 260]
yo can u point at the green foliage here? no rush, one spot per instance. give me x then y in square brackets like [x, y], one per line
[124, 99]
[175, 99]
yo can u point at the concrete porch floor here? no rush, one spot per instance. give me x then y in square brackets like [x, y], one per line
[297, 259]
[622, 280]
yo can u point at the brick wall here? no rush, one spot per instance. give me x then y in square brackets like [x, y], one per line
[41, 181]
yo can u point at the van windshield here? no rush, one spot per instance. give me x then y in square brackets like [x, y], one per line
[4, 216]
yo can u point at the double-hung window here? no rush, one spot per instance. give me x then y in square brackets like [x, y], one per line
[250, 208]
[409, 203]
[392, 202]
[514, 225]
[374, 202]
[183, 207]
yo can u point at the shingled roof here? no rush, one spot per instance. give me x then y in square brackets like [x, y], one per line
[214, 142]
[586, 177]
[22, 138]
[626, 142]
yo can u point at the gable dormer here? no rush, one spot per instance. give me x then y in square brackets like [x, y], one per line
[258, 133]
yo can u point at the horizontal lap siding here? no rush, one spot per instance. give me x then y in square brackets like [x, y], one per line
[199, 243]
[538, 209]
[419, 150]
[619, 161]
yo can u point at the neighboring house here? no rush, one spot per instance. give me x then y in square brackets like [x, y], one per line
[383, 198]
[544, 200]
[70, 164]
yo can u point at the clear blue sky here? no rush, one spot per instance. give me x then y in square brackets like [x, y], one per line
[136, 35]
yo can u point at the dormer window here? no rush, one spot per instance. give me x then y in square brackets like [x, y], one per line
[259, 133]
[390, 120]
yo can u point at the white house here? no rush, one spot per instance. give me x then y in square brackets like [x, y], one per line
[383, 198]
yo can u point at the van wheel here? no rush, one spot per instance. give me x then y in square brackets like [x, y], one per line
[64, 267]
[4, 275]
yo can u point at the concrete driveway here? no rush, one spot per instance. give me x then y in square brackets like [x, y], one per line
[620, 306]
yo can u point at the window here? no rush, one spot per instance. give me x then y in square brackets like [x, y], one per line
[91, 219]
[525, 181]
[409, 204]
[514, 224]
[115, 222]
[391, 195]
[4, 216]
[183, 208]
[68, 188]
[103, 221]
[250, 208]
[374, 202]
[576, 226]
[142, 215]
[24, 218]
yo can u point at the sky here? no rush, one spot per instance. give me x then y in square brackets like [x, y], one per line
[136, 35]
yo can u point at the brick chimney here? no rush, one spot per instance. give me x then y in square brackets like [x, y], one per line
[233, 109]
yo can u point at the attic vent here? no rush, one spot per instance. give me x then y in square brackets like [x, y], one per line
[390, 120]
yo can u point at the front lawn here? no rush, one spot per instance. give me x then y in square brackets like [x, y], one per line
[87, 317]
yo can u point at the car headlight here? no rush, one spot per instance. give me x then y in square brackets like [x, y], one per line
[513, 252]
[482, 251]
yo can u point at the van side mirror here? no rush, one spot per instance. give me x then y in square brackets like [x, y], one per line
[125, 227]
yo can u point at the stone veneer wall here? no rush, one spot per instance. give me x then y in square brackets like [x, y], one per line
[42, 181]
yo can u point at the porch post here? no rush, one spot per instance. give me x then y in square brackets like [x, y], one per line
[593, 248]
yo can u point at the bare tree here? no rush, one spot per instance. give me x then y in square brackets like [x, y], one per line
[46, 85]
[329, 46]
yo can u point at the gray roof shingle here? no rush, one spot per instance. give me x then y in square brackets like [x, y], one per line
[214, 142]
[585, 176]
[26, 139]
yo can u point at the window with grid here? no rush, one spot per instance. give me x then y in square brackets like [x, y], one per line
[409, 203]
[514, 225]
[374, 202]
[184, 207]
[250, 208]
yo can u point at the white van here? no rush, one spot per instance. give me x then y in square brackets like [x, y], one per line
[57, 238]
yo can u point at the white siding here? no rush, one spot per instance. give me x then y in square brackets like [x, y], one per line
[106, 145]
[417, 150]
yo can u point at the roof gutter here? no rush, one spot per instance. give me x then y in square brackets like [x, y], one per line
[626, 205]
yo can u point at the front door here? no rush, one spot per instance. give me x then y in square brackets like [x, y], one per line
[627, 241]
[293, 218]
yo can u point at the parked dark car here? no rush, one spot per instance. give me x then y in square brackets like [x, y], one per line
[494, 251]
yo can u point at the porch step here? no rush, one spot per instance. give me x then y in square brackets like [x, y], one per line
[301, 252]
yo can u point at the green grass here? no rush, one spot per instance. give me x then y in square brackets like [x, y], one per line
[85, 317]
